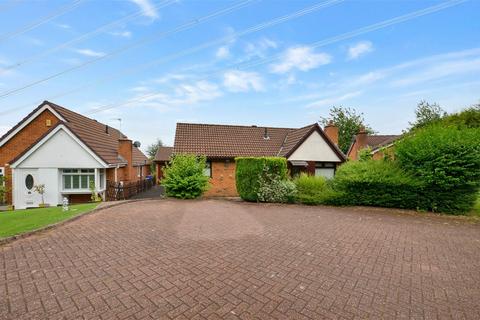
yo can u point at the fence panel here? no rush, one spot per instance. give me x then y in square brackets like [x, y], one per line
[122, 191]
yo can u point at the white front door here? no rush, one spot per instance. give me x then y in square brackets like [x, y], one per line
[31, 198]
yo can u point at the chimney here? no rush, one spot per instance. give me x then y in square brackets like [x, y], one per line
[265, 135]
[125, 151]
[361, 140]
[106, 128]
[331, 130]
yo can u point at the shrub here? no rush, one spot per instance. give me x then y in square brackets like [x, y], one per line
[312, 190]
[249, 171]
[375, 183]
[272, 188]
[468, 118]
[184, 177]
[447, 161]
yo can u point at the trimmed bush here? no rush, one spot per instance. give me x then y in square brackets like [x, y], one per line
[184, 177]
[249, 171]
[375, 183]
[447, 161]
[312, 190]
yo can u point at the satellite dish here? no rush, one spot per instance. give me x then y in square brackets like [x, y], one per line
[137, 144]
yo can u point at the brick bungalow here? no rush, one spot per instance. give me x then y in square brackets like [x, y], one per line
[379, 144]
[65, 151]
[309, 149]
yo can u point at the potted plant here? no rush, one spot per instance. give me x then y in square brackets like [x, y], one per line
[40, 189]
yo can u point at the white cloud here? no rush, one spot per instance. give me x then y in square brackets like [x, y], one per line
[147, 7]
[301, 58]
[89, 53]
[242, 81]
[171, 77]
[439, 71]
[259, 48]
[124, 34]
[223, 52]
[183, 95]
[4, 129]
[359, 49]
[328, 102]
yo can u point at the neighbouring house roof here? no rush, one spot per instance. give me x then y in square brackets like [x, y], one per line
[230, 141]
[377, 141]
[163, 153]
[92, 133]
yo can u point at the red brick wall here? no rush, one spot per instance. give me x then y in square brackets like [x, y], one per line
[222, 183]
[21, 141]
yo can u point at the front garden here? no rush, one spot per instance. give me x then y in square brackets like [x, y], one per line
[20, 221]
[434, 168]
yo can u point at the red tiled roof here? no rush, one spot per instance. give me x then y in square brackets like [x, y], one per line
[230, 141]
[163, 153]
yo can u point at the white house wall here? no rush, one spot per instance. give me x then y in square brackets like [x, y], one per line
[315, 148]
[60, 151]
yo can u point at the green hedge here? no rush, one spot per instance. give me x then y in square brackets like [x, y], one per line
[249, 170]
[375, 183]
[312, 190]
[446, 159]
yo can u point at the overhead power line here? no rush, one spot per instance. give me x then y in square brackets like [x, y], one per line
[211, 43]
[243, 65]
[38, 23]
[84, 36]
[143, 41]
[321, 43]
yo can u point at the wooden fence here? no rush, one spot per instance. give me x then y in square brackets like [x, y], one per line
[118, 191]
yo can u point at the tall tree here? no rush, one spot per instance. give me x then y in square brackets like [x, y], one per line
[349, 122]
[153, 148]
[427, 113]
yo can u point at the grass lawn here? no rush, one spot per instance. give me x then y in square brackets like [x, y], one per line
[20, 221]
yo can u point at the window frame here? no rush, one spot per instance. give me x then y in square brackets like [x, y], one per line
[80, 173]
[208, 166]
[325, 165]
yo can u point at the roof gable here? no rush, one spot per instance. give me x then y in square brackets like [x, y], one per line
[67, 147]
[315, 146]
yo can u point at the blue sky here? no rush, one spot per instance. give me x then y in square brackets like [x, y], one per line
[161, 62]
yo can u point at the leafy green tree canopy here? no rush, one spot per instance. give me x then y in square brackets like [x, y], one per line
[349, 122]
[427, 113]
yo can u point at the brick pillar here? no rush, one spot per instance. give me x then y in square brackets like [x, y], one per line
[331, 130]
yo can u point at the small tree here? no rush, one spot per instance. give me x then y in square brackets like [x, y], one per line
[348, 122]
[427, 113]
[40, 189]
[152, 151]
[94, 195]
[184, 176]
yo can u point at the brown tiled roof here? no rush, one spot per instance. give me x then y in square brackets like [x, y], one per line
[230, 141]
[163, 153]
[379, 141]
[94, 135]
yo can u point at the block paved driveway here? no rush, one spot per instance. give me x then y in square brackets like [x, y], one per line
[215, 259]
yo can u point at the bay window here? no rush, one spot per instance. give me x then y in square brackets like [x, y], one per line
[77, 179]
